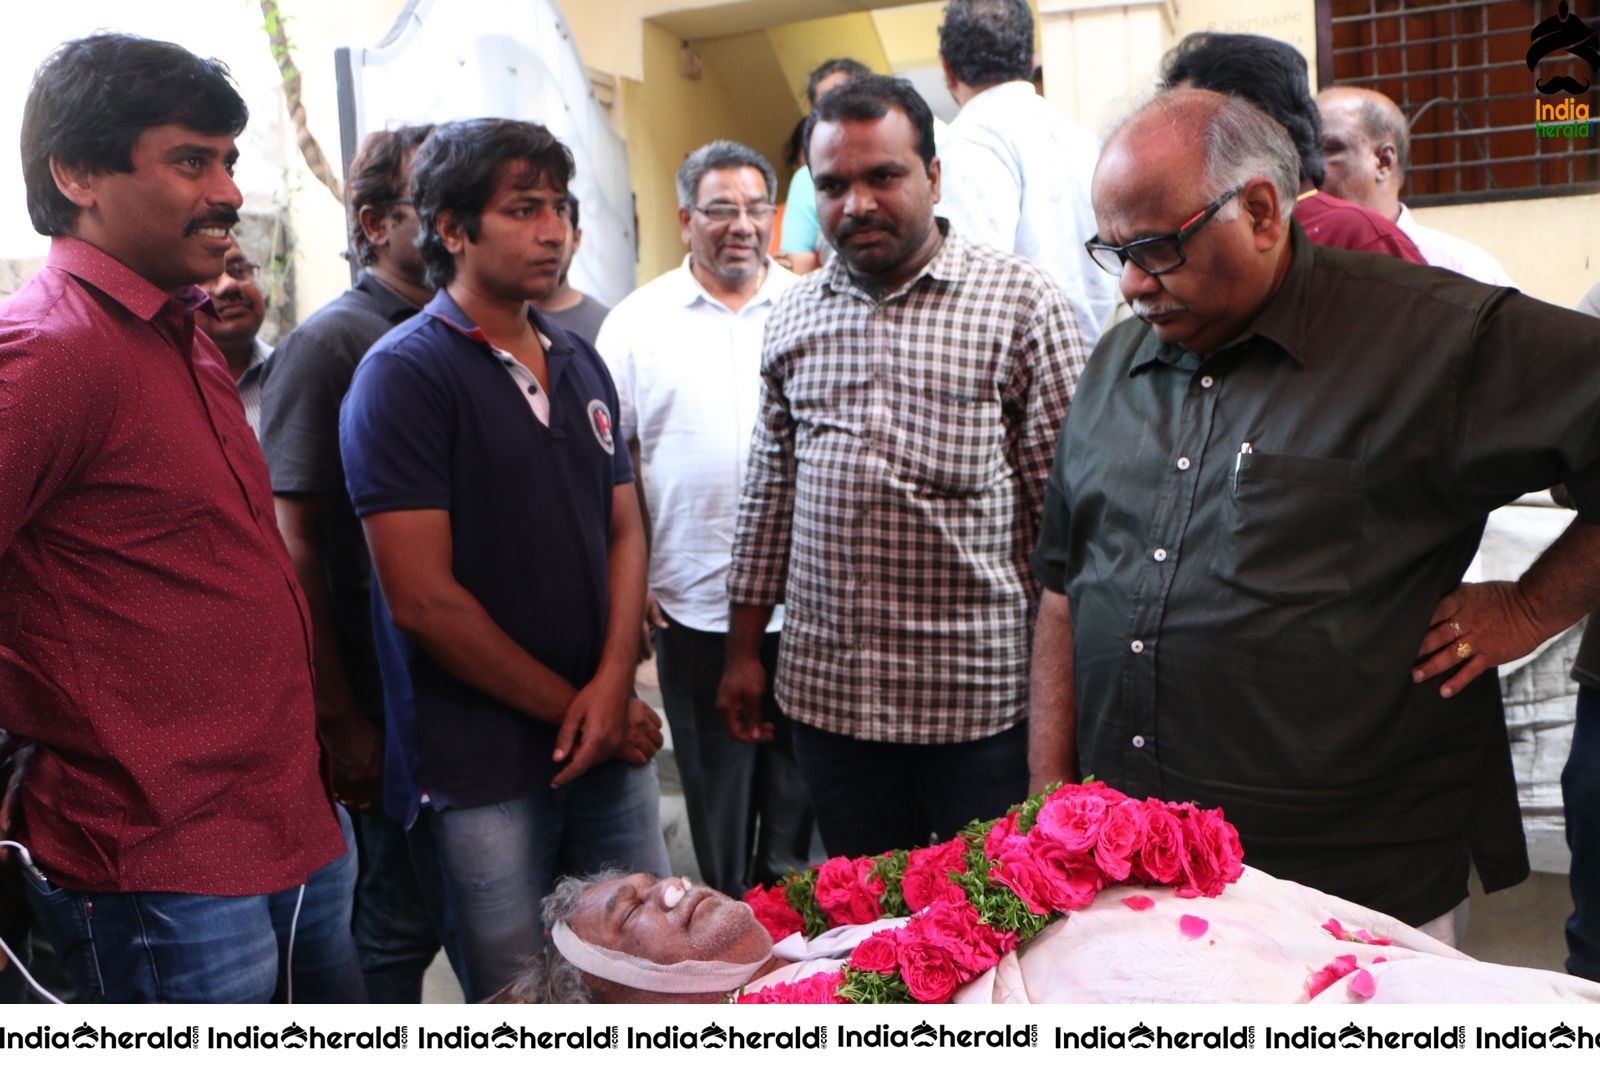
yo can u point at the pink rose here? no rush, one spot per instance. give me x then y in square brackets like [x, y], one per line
[1212, 857]
[818, 989]
[847, 892]
[1020, 874]
[1112, 796]
[878, 953]
[1071, 818]
[1201, 874]
[1161, 856]
[927, 970]
[1073, 877]
[928, 871]
[957, 929]
[1121, 837]
[773, 911]
[1002, 837]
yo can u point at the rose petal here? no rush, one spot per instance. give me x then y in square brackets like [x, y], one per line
[1379, 959]
[1193, 926]
[1362, 984]
[1334, 927]
[1138, 903]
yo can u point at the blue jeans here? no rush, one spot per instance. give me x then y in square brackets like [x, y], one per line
[486, 870]
[194, 949]
[1580, 795]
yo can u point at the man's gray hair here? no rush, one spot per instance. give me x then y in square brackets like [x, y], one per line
[552, 979]
[1241, 143]
[722, 155]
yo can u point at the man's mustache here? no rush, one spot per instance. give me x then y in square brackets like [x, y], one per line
[1561, 83]
[850, 229]
[227, 219]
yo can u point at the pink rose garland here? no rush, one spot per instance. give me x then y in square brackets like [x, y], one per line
[973, 899]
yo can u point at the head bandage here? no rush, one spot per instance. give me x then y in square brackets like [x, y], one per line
[636, 972]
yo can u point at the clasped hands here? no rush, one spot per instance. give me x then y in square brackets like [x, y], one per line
[603, 723]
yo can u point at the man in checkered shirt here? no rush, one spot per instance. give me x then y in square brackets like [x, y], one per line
[912, 393]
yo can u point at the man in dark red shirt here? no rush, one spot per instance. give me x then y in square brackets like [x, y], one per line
[1271, 74]
[175, 794]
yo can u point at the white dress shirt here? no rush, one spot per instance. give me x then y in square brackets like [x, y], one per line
[688, 376]
[1015, 175]
[1446, 250]
[249, 383]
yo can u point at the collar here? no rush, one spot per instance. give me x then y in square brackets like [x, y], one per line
[391, 305]
[691, 292]
[142, 298]
[1281, 322]
[946, 268]
[447, 311]
[1005, 97]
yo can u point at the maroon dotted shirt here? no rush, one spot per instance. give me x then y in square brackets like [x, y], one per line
[153, 639]
[1337, 223]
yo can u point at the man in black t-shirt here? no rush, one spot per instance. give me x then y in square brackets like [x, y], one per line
[311, 373]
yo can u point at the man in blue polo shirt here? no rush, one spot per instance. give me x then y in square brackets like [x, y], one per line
[478, 447]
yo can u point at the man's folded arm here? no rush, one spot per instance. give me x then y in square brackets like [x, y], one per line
[353, 743]
[411, 553]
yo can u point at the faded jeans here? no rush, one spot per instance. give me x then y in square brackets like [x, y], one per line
[486, 870]
[194, 949]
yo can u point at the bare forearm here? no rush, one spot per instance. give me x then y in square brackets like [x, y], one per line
[625, 576]
[1563, 584]
[1052, 705]
[747, 624]
[459, 635]
[334, 698]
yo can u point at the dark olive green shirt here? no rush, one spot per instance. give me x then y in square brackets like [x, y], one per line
[1252, 545]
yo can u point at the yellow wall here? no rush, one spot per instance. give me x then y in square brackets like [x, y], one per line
[1550, 246]
[665, 117]
[751, 89]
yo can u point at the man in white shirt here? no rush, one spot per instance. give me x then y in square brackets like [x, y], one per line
[1016, 171]
[238, 310]
[685, 352]
[1367, 143]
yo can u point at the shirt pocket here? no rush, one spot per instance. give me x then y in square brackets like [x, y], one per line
[951, 439]
[1293, 527]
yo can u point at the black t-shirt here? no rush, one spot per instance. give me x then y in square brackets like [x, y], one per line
[310, 374]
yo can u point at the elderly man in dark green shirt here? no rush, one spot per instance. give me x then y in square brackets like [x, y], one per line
[1262, 504]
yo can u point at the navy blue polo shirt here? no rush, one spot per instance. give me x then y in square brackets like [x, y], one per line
[434, 420]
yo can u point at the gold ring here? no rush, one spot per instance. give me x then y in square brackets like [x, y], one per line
[1463, 650]
[1455, 627]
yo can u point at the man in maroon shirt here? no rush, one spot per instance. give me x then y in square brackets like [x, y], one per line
[175, 795]
[1271, 74]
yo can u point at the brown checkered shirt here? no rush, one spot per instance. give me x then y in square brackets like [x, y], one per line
[893, 492]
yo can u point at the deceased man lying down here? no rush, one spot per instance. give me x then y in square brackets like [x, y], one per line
[1081, 895]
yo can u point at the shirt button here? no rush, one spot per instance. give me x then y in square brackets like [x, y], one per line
[1138, 741]
[1207, 382]
[1161, 555]
[1137, 646]
[1183, 463]
[533, 390]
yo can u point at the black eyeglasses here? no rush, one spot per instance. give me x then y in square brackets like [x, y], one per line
[725, 213]
[240, 270]
[1156, 255]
